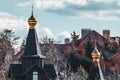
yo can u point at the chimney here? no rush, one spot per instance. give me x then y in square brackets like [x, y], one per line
[85, 31]
[106, 33]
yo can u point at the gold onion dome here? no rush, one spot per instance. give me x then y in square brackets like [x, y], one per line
[32, 21]
[95, 55]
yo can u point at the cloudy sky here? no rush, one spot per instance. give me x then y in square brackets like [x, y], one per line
[58, 18]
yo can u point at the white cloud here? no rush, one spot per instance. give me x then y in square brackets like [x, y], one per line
[63, 35]
[25, 4]
[94, 9]
[54, 4]
[44, 4]
[58, 38]
[103, 1]
[12, 22]
[108, 15]
[118, 2]
[44, 31]
[77, 2]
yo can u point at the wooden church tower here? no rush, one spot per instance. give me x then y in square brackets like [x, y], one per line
[32, 65]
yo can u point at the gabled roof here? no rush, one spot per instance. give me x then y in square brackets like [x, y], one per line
[92, 36]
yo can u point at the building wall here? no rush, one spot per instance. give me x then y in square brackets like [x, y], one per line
[26, 62]
[41, 74]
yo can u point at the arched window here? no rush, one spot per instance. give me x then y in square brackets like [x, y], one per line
[35, 75]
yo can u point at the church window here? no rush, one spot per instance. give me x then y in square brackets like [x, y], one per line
[35, 75]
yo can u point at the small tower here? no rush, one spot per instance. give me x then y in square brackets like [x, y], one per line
[95, 71]
[32, 65]
[32, 53]
[32, 21]
[95, 55]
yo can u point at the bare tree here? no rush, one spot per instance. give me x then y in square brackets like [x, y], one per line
[7, 40]
[60, 61]
[47, 48]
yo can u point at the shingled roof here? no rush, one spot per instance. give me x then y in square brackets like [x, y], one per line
[32, 48]
[92, 36]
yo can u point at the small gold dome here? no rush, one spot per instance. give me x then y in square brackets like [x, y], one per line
[95, 54]
[32, 21]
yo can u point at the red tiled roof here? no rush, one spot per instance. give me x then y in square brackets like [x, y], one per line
[93, 36]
